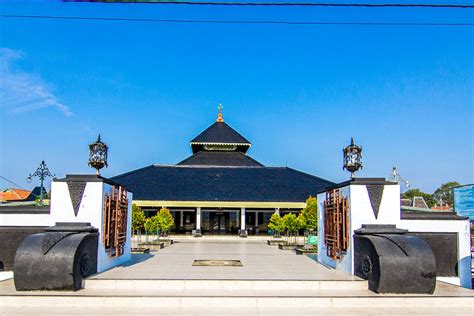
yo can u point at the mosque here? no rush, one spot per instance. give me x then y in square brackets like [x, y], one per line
[220, 189]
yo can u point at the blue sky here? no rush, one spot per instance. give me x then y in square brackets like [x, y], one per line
[298, 93]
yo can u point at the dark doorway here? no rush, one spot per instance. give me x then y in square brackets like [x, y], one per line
[218, 222]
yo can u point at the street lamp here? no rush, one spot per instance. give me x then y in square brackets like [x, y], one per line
[42, 172]
[352, 158]
[398, 178]
[98, 155]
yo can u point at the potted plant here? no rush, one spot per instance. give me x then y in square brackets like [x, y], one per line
[310, 214]
[151, 226]
[138, 222]
[310, 217]
[276, 225]
[165, 222]
[291, 224]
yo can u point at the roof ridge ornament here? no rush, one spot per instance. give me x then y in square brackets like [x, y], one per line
[220, 118]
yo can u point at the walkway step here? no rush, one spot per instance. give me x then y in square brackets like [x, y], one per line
[287, 285]
[206, 295]
[236, 302]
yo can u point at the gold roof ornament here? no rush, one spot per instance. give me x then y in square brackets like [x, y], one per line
[220, 118]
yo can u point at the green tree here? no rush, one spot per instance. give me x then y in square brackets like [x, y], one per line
[151, 224]
[301, 222]
[444, 194]
[310, 214]
[276, 224]
[410, 194]
[291, 224]
[138, 218]
[165, 220]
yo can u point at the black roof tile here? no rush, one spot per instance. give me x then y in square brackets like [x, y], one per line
[190, 183]
[220, 158]
[221, 133]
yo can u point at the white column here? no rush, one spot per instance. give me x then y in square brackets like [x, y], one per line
[277, 211]
[242, 219]
[256, 219]
[181, 219]
[198, 218]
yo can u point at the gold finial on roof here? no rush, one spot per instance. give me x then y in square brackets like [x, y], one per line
[220, 118]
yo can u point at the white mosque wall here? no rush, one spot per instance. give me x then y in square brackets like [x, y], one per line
[360, 212]
[463, 230]
[90, 211]
[25, 219]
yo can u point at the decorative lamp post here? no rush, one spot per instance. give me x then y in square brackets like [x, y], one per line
[42, 172]
[98, 155]
[396, 177]
[352, 158]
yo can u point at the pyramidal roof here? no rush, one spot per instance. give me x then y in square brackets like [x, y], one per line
[220, 137]
[220, 133]
[220, 170]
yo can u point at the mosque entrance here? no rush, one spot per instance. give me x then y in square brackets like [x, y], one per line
[218, 222]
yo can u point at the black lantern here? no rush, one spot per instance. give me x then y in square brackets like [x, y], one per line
[98, 155]
[352, 158]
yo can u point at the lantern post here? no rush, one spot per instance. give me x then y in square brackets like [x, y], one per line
[98, 155]
[352, 158]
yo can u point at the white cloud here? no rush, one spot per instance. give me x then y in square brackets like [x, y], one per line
[23, 92]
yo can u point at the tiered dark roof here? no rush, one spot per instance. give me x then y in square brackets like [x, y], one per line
[187, 183]
[220, 170]
[220, 133]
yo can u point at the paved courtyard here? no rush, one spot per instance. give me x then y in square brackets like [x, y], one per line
[271, 281]
[260, 262]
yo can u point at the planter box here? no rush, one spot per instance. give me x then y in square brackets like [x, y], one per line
[286, 247]
[275, 242]
[154, 245]
[167, 242]
[141, 250]
[300, 251]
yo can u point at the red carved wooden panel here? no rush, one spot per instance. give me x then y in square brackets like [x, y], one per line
[336, 224]
[115, 221]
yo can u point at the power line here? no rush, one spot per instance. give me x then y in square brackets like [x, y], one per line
[288, 4]
[234, 21]
[16, 185]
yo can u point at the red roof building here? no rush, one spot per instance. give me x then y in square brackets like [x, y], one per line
[14, 195]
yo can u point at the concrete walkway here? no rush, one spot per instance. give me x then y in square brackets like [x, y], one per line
[260, 262]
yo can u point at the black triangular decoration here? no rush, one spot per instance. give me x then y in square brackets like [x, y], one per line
[76, 189]
[375, 196]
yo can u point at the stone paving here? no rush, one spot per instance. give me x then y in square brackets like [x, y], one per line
[271, 281]
[260, 262]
